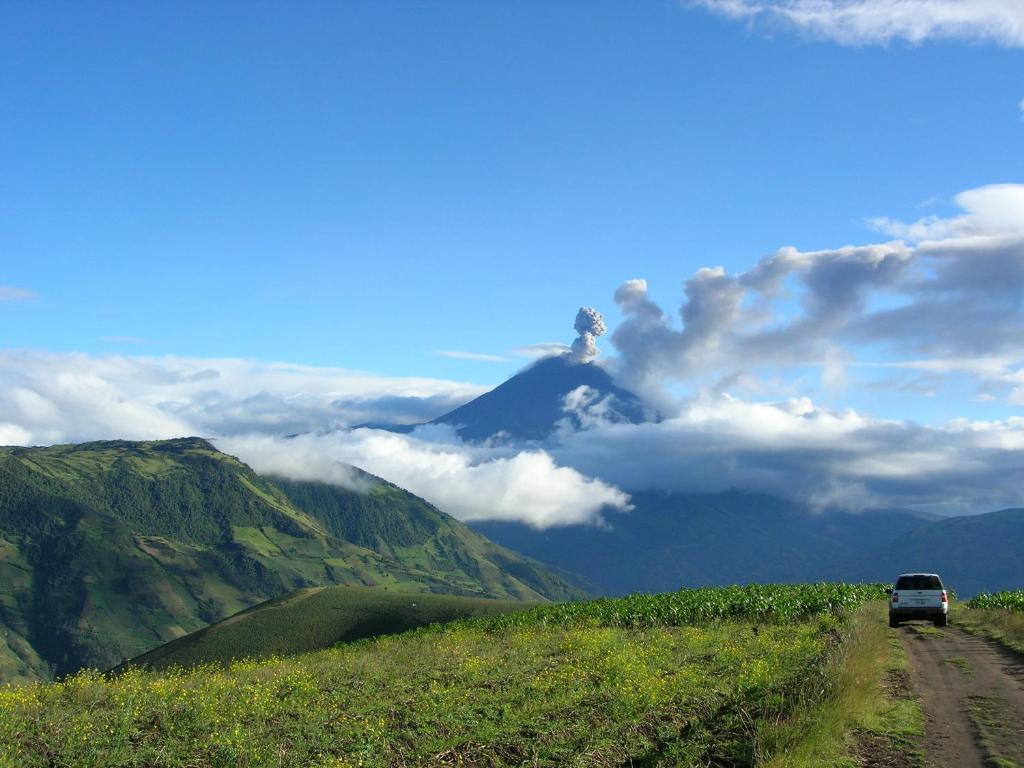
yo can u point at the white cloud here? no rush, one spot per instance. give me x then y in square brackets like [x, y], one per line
[996, 210]
[796, 449]
[75, 397]
[542, 349]
[859, 22]
[11, 293]
[471, 482]
[952, 294]
[455, 354]
[248, 407]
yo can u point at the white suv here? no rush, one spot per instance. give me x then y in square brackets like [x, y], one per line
[918, 596]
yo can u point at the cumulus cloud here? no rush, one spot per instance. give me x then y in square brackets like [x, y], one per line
[471, 482]
[948, 289]
[990, 211]
[859, 22]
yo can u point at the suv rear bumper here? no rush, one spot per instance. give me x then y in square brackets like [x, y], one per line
[909, 614]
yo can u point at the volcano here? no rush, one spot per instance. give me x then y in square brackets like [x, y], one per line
[531, 404]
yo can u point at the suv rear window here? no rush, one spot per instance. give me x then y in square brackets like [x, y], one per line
[918, 582]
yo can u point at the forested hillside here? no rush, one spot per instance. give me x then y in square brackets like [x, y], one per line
[109, 549]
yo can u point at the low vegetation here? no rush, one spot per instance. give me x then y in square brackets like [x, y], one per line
[998, 615]
[866, 712]
[697, 677]
[1009, 600]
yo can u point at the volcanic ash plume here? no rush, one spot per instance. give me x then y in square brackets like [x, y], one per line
[589, 325]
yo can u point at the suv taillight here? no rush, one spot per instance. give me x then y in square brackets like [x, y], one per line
[945, 599]
[895, 597]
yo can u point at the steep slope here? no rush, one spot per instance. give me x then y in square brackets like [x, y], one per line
[530, 404]
[975, 553]
[313, 619]
[108, 549]
[674, 540]
[397, 525]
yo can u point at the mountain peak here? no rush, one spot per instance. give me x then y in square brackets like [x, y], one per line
[531, 404]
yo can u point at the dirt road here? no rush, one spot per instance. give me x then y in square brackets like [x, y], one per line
[972, 693]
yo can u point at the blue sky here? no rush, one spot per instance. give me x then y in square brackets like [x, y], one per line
[360, 184]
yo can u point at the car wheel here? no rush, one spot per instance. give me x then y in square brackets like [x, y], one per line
[940, 621]
[893, 622]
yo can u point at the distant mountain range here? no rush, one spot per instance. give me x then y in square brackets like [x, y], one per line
[673, 540]
[974, 553]
[108, 549]
[532, 404]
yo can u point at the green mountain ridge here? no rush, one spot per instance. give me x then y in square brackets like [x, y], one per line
[109, 549]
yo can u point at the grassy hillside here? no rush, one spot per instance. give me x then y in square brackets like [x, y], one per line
[109, 549]
[400, 526]
[690, 678]
[313, 619]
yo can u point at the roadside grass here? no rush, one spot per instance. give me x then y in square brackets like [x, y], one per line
[866, 703]
[1000, 624]
[960, 663]
[603, 683]
[927, 631]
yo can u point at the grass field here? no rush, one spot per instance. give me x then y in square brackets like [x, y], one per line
[680, 679]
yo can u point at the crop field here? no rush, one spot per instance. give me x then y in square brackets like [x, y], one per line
[689, 678]
[1010, 600]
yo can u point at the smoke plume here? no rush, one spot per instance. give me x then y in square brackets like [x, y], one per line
[589, 325]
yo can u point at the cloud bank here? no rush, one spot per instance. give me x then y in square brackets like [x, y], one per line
[471, 482]
[250, 408]
[48, 398]
[795, 449]
[860, 22]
